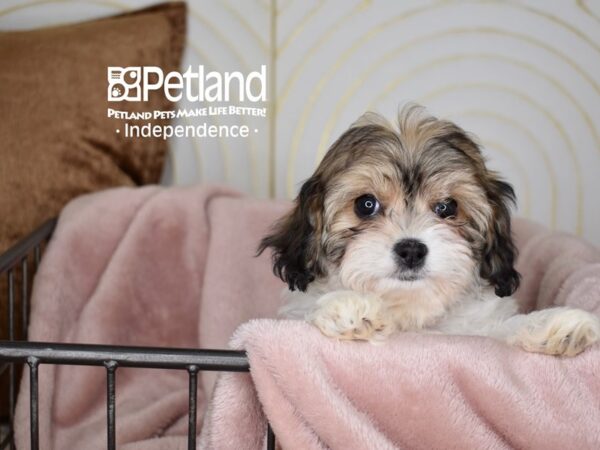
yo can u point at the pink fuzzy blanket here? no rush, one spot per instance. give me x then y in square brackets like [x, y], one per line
[176, 267]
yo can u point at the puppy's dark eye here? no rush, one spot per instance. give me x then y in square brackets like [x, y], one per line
[366, 206]
[445, 209]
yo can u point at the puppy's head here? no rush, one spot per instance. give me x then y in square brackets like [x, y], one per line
[400, 209]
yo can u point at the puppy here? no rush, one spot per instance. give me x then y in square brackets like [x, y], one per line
[405, 229]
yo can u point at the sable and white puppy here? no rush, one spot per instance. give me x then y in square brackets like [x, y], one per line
[405, 229]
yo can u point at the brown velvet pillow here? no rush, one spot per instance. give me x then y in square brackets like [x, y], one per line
[56, 141]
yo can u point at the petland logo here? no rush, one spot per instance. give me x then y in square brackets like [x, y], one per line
[133, 84]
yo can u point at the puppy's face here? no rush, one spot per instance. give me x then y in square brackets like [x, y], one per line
[399, 211]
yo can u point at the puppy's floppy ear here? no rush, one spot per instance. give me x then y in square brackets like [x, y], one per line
[499, 254]
[295, 238]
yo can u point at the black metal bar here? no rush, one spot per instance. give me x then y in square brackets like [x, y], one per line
[270, 437]
[14, 254]
[33, 402]
[36, 353]
[37, 257]
[11, 336]
[7, 441]
[11, 304]
[150, 357]
[24, 297]
[111, 368]
[193, 371]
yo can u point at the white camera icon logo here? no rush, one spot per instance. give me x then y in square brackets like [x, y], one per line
[124, 84]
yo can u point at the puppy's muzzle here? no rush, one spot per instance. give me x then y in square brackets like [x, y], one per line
[410, 253]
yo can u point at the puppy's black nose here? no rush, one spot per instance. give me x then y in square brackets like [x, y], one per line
[410, 253]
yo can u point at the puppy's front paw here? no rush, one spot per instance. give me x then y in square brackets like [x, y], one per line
[558, 331]
[350, 315]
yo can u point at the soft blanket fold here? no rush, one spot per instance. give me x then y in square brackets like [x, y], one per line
[176, 267]
[414, 392]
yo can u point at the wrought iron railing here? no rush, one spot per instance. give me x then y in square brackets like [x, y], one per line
[17, 351]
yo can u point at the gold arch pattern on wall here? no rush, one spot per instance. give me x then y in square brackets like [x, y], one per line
[390, 56]
[343, 101]
[224, 144]
[320, 99]
[586, 8]
[327, 77]
[453, 58]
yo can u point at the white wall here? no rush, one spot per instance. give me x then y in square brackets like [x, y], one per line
[522, 75]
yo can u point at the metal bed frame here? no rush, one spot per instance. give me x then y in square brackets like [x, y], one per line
[18, 351]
